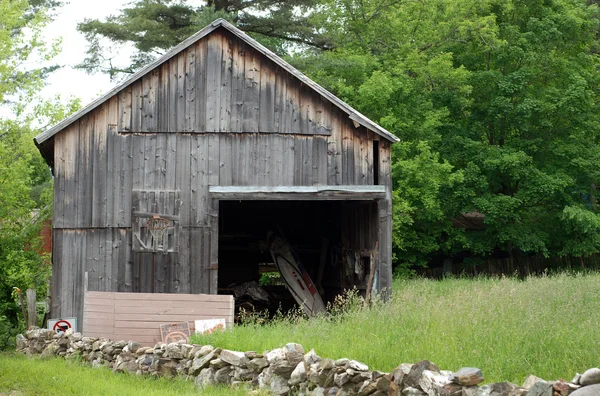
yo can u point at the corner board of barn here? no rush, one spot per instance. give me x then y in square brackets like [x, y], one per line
[228, 143]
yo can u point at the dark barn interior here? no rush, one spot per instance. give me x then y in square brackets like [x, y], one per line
[333, 239]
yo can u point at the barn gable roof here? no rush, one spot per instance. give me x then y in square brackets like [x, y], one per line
[352, 113]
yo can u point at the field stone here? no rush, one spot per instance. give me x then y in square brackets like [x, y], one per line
[410, 391]
[541, 388]
[318, 391]
[451, 389]
[530, 381]
[503, 389]
[204, 350]
[590, 390]
[413, 377]
[590, 377]
[467, 376]
[218, 363]
[234, 358]
[222, 375]
[383, 382]
[576, 379]
[175, 350]
[298, 375]
[361, 376]
[257, 364]
[275, 354]
[282, 367]
[205, 378]
[253, 355]
[294, 353]
[311, 357]
[431, 382]
[356, 365]
[279, 385]
[341, 362]
[341, 379]
[201, 363]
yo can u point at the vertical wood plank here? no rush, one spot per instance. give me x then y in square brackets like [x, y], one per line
[149, 161]
[183, 268]
[226, 84]
[183, 181]
[57, 279]
[161, 163]
[237, 88]
[213, 82]
[136, 106]
[162, 95]
[173, 95]
[181, 93]
[266, 113]
[201, 55]
[99, 169]
[251, 91]
[59, 189]
[190, 88]
[280, 99]
[214, 247]
[70, 177]
[195, 258]
[226, 162]
[320, 158]
[149, 106]
[277, 159]
[125, 109]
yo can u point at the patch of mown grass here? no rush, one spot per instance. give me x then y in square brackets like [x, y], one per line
[55, 376]
[547, 326]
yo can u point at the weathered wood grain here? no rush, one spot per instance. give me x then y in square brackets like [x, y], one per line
[139, 315]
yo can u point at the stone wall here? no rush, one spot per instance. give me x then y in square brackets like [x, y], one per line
[289, 370]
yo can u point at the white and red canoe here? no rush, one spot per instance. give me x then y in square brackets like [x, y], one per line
[295, 276]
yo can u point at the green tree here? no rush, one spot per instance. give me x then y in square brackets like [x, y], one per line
[25, 180]
[154, 26]
[504, 94]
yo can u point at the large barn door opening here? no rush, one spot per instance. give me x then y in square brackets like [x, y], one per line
[334, 240]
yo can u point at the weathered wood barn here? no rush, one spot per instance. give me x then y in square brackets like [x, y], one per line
[227, 141]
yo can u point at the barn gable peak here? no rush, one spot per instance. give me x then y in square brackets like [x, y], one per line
[44, 139]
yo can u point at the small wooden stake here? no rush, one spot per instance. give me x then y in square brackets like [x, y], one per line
[31, 308]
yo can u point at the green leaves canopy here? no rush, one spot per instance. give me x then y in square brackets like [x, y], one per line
[496, 103]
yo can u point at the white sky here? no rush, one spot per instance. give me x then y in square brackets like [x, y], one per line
[68, 81]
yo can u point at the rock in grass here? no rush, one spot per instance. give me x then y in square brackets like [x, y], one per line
[590, 377]
[279, 385]
[541, 388]
[590, 390]
[530, 381]
[202, 362]
[467, 376]
[294, 353]
[356, 365]
[413, 378]
[410, 391]
[234, 358]
[298, 375]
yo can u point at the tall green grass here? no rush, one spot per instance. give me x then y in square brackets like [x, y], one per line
[54, 376]
[548, 326]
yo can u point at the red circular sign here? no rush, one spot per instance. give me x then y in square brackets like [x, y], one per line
[61, 326]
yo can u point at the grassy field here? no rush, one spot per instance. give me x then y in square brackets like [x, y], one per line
[547, 326]
[35, 376]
